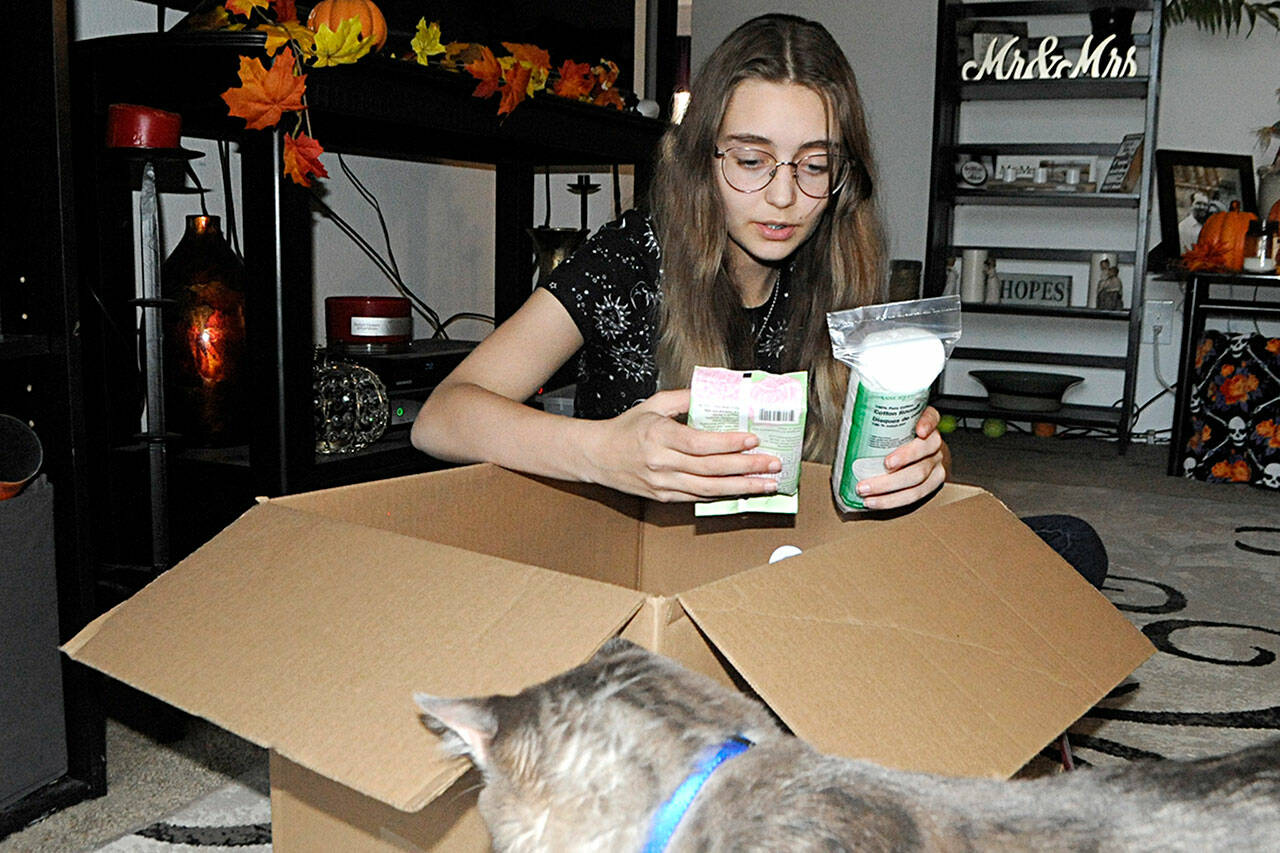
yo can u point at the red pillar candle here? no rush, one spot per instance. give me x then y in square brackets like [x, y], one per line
[133, 126]
[368, 324]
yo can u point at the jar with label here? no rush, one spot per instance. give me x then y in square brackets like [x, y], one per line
[1259, 246]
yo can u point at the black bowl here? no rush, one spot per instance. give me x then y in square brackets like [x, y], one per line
[1025, 390]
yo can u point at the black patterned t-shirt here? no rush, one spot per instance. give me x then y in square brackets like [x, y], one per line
[610, 288]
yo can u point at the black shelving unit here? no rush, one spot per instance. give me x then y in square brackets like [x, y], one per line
[951, 94]
[380, 106]
[40, 364]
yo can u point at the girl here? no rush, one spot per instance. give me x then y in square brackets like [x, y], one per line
[762, 221]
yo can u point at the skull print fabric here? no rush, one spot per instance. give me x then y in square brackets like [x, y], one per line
[1235, 411]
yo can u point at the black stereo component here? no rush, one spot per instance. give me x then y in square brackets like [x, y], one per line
[411, 375]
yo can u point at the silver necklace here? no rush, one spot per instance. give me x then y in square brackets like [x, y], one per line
[773, 300]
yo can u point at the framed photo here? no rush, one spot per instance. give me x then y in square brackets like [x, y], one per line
[1192, 186]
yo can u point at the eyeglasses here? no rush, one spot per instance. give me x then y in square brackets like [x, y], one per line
[749, 170]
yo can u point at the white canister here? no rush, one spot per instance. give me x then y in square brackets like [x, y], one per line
[972, 272]
[1096, 273]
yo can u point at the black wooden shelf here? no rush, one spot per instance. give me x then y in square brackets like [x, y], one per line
[1079, 313]
[1064, 359]
[1044, 198]
[379, 106]
[965, 406]
[1021, 253]
[390, 456]
[1023, 148]
[1033, 8]
[1078, 89]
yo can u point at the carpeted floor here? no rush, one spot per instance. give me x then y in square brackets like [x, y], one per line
[1197, 566]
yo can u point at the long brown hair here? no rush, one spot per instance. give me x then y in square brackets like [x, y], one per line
[840, 266]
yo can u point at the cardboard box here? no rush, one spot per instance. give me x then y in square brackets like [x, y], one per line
[949, 639]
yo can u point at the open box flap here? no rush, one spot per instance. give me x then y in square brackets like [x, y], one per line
[310, 635]
[976, 651]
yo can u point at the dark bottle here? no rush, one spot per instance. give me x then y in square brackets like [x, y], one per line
[206, 356]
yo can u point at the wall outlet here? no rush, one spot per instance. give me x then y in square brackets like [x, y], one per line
[1158, 314]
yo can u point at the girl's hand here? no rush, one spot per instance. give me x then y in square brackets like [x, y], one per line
[645, 451]
[915, 470]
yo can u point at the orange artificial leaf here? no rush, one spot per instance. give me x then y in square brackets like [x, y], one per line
[606, 73]
[1207, 255]
[245, 7]
[302, 159]
[460, 53]
[529, 54]
[515, 87]
[609, 98]
[286, 10]
[266, 94]
[487, 70]
[537, 60]
[575, 80]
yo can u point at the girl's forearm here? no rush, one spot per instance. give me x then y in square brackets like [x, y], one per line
[463, 422]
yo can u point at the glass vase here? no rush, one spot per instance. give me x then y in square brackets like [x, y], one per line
[206, 363]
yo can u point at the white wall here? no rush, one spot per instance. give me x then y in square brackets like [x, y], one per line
[1215, 91]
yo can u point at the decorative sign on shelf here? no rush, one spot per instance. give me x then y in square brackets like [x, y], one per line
[1003, 61]
[1126, 166]
[1047, 291]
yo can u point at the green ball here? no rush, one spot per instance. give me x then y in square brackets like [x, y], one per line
[993, 427]
[947, 424]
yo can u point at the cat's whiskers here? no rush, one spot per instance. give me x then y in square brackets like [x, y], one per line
[463, 792]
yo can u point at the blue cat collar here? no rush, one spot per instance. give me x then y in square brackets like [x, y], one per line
[670, 813]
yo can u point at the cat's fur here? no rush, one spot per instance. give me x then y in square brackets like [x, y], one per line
[582, 761]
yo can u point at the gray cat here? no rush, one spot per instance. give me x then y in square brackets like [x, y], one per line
[584, 761]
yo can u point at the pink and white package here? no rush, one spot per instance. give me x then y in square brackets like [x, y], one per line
[772, 406]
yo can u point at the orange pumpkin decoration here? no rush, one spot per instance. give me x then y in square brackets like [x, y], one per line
[1274, 213]
[1223, 235]
[332, 13]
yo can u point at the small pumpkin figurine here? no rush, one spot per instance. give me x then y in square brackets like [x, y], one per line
[1221, 241]
[1274, 213]
[332, 13]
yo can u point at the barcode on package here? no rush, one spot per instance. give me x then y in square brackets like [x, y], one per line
[777, 416]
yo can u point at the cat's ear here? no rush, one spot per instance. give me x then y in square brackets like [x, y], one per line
[616, 646]
[466, 726]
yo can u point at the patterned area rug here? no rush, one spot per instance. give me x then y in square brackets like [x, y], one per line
[1202, 581]
[236, 817]
[1199, 577]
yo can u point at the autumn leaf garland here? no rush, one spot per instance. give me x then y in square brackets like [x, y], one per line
[266, 94]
